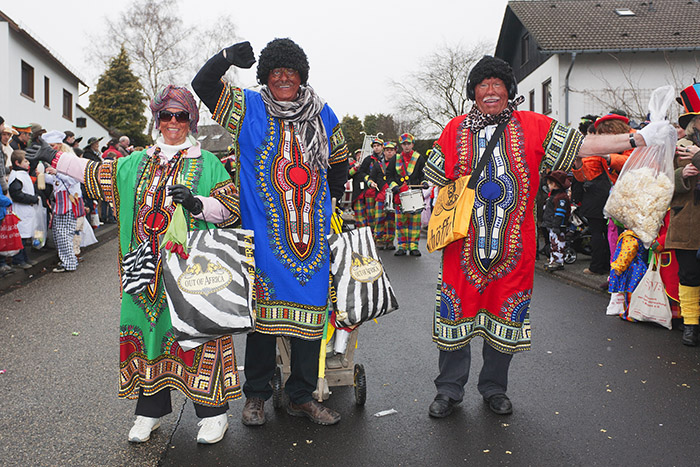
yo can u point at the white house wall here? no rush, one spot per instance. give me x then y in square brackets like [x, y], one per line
[600, 82]
[20, 110]
[548, 70]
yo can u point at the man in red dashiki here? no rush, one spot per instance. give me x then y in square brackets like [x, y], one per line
[485, 282]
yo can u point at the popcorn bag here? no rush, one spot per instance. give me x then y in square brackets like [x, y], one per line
[644, 189]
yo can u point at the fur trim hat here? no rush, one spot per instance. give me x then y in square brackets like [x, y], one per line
[282, 53]
[492, 67]
[560, 178]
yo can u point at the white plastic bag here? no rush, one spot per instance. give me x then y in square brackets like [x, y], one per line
[649, 301]
[40, 226]
[643, 191]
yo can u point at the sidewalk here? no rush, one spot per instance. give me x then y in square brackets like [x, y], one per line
[573, 273]
[47, 258]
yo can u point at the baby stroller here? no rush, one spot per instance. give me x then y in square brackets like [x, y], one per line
[578, 238]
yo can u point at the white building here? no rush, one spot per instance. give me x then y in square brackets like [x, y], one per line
[36, 86]
[578, 57]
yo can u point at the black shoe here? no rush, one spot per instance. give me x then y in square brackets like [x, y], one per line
[400, 252]
[690, 334]
[442, 406]
[390, 246]
[499, 404]
[415, 253]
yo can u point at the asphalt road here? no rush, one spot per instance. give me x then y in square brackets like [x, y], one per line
[594, 390]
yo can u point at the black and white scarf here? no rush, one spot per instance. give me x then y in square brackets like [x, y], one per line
[305, 112]
[477, 120]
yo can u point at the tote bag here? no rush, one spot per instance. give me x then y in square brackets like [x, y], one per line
[649, 301]
[361, 290]
[451, 214]
[210, 293]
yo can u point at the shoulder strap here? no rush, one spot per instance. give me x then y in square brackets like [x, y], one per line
[474, 177]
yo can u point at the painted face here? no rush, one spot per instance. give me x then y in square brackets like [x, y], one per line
[284, 83]
[491, 96]
[406, 147]
[174, 132]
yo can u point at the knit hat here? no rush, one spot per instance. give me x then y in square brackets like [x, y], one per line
[282, 53]
[406, 138]
[690, 99]
[560, 178]
[491, 67]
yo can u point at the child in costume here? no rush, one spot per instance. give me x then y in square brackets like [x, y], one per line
[628, 267]
[557, 209]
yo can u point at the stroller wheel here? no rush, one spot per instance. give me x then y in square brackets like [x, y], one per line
[360, 384]
[569, 255]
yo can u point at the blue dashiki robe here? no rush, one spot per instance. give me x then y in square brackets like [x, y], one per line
[288, 206]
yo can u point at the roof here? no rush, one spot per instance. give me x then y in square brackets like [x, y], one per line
[22, 31]
[214, 138]
[595, 26]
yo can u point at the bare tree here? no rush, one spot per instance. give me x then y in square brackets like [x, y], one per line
[153, 35]
[438, 91]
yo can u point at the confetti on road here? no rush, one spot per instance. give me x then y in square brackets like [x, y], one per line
[626, 371]
[504, 424]
[294, 444]
[600, 364]
[556, 413]
[309, 441]
[487, 450]
[75, 333]
[2, 372]
[384, 413]
[603, 430]
[509, 452]
[644, 381]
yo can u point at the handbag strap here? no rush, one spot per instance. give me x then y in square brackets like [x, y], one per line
[487, 155]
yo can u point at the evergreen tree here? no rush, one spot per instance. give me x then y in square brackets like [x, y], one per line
[119, 100]
[352, 130]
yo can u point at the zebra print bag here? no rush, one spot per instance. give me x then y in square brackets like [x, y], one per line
[361, 289]
[210, 294]
[139, 268]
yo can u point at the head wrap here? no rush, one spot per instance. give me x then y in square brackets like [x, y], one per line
[176, 97]
[282, 53]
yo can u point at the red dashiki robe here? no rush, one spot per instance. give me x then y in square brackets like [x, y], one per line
[485, 282]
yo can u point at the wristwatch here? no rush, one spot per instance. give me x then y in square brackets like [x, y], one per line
[633, 143]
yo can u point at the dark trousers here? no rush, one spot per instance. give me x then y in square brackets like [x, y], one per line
[600, 249]
[261, 360]
[688, 268]
[159, 404]
[454, 372]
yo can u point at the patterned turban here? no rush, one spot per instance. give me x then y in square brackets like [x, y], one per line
[176, 97]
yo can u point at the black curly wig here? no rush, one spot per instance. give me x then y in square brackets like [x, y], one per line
[491, 67]
[282, 53]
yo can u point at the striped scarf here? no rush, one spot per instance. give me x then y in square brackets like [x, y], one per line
[305, 111]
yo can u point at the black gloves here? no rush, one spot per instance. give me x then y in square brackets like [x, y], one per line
[41, 151]
[240, 55]
[425, 185]
[182, 195]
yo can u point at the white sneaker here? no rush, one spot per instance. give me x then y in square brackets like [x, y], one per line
[143, 426]
[213, 429]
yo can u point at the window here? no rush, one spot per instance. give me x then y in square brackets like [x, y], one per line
[547, 97]
[47, 102]
[67, 105]
[532, 100]
[81, 122]
[27, 80]
[525, 49]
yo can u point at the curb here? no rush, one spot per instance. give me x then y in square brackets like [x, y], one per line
[47, 258]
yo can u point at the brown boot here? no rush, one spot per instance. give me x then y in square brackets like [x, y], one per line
[254, 412]
[315, 412]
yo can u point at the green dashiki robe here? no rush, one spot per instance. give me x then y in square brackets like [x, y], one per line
[150, 358]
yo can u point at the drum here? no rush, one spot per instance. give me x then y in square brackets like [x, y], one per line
[412, 201]
[389, 201]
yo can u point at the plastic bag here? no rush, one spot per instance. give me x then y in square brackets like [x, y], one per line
[643, 191]
[40, 227]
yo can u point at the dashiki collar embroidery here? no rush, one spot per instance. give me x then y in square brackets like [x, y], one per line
[494, 244]
[153, 176]
[294, 196]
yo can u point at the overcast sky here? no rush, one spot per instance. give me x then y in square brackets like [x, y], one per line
[355, 48]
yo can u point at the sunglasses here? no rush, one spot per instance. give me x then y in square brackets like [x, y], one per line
[181, 117]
